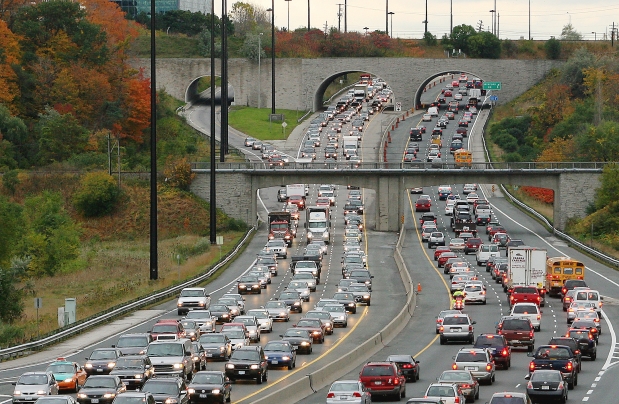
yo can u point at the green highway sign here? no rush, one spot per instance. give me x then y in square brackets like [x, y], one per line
[492, 85]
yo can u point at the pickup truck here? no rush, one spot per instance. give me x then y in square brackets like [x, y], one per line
[556, 357]
[524, 294]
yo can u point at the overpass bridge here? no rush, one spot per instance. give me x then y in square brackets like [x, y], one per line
[301, 83]
[237, 183]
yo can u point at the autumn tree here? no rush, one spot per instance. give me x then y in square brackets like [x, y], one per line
[10, 55]
[600, 143]
[247, 17]
[59, 136]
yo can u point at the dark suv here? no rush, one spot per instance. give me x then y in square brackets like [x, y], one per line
[586, 342]
[499, 349]
[167, 390]
[573, 344]
[383, 378]
[415, 134]
[571, 284]
[248, 362]
[517, 331]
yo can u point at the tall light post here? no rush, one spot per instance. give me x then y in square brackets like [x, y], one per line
[391, 13]
[492, 12]
[529, 20]
[451, 17]
[426, 20]
[308, 15]
[212, 190]
[273, 55]
[595, 36]
[345, 15]
[154, 262]
[387, 16]
[366, 30]
[259, 75]
[288, 27]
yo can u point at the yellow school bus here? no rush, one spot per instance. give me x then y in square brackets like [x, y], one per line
[559, 270]
[463, 158]
[436, 139]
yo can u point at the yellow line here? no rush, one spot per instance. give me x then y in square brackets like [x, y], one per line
[313, 361]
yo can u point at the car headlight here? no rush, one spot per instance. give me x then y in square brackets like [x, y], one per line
[109, 395]
[18, 393]
[88, 365]
[215, 391]
[178, 366]
[191, 391]
[222, 348]
[282, 313]
[350, 304]
[111, 365]
[325, 234]
[179, 304]
[224, 315]
[309, 234]
[366, 296]
[285, 358]
[229, 366]
[254, 366]
[201, 303]
[138, 376]
[242, 287]
[69, 380]
[305, 343]
[171, 401]
[81, 395]
[41, 392]
[297, 303]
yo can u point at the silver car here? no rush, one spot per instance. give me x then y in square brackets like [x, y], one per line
[478, 361]
[265, 323]
[203, 319]
[32, 385]
[348, 391]
[338, 312]
[302, 287]
[457, 327]
[278, 310]
[306, 277]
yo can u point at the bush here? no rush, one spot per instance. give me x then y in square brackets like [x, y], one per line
[553, 48]
[10, 334]
[97, 195]
[235, 224]
[178, 173]
[10, 181]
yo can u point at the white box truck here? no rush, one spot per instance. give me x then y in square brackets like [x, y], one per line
[349, 146]
[527, 267]
[318, 224]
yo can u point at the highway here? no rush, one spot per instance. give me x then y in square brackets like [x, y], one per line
[418, 338]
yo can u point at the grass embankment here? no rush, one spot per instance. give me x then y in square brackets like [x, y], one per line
[255, 122]
[113, 264]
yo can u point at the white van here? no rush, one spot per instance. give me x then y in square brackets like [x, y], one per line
[589, 295]
[433, 111]
[486, 251]
[530, 311]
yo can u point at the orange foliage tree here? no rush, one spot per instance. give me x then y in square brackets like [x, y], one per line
[10, 54]
[137, 99]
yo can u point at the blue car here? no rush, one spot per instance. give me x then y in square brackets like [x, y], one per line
[280, 353]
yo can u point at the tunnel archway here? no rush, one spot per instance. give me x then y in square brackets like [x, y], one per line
[320, 91]
[432, 79]
[197, 93]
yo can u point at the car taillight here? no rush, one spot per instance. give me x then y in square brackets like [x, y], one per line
[539, 298]
[466, 386]
[504, 352]
[531, 334]
[454, 366]
[457, 400]
[356, 394]
[470, 328]
[331, 395]
[539, 316]
[407, 366]
[590, 336]
[560, 387]
[511, 298]
[395, 381]
[439, 320]
[489, 367]
[530, 385]
[531, 367]
[569, 366]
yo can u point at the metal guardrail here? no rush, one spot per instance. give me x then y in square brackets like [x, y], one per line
[127, 307]
[566, 237]
[422, 165]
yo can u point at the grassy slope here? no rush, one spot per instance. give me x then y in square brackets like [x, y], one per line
[255, 122]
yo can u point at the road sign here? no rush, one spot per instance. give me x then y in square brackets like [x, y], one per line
[284, 124]
[494, 98]
[398, 106]
[492, 85]
[38, 302]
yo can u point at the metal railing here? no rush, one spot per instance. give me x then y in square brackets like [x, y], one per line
[124, 308]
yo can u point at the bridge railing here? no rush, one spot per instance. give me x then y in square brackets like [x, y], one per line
[346, 165]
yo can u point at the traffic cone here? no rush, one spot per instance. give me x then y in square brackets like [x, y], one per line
[419, 288]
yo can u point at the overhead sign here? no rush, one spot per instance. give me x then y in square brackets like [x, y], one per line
[492, 85]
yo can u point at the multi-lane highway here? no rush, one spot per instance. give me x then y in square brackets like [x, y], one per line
[418, 338]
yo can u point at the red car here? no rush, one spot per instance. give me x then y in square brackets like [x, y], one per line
[383, 379]
[524, 294]
[494, 230]
[447, 93]
[423, 205]
[439, 250]
[462, 131]
[442, 259]
[169, 327]
[472, 244]
[297, 200]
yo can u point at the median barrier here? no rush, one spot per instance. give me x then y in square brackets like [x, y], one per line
[352, 359]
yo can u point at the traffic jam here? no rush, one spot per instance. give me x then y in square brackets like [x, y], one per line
[312, 279]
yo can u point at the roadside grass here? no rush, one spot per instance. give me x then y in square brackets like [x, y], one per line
[167, 46]
[255, 122]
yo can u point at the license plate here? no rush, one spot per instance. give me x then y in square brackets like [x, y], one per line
[456, 329]
[94, 400]
[209, 355]
[545, 387]
[203, 395]
[343, 397]
[274, 362]
[99, 370]
[241, 372]
[470, 368]
[378, 382]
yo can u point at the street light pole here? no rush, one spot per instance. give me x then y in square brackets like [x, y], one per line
[426, 20]
[154, 262]
[288, 28]
[492, 12]
[273, 53]
[345, 15]
[387, 16]
[212, 190]
[391, 13]
[259, 75]
[308, 15]
[595, 36]
[529, 20]
[451, 17]
[366, 30]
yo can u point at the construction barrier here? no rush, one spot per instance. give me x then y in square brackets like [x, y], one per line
[389, 137]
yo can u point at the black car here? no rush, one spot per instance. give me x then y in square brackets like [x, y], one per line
[300, 339]
[292, 299]
[133, 370]
[500, 351]
[209, 387]
[216, 346]
[100, 389]
[483, 219]
[361, 293]
[573, 344]
[167, 390]
[248, 362]
[221, 312]
[133, 344]
[407, 365]
[415, 134]
[546, 384]
[346, 299]
[248, 284]
[586, 342]
[101, 361]
[587, 324]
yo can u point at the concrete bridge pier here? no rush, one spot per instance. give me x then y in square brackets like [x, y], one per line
[388, 203]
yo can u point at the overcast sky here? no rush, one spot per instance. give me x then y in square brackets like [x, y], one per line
[547, 16]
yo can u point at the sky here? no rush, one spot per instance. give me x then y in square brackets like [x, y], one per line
[592, 18]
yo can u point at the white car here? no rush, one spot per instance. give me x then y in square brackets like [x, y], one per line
[426, 117]
[449, 207]
[530, 311]
[427, 232]
[456, 244]
[237, 337]
[447, 393]
[468, 188]
[474, 293]
[458, 96]
[472, 197]
[265, 323]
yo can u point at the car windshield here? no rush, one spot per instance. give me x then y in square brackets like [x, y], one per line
[344, 386]
[507, 400]
[212, 339]
[32, 379]
[52, 400]
[235, 334]
[245, 320]
[100, 382]
[377, 370]
[207, 378]
[275, 305]
[525, 309]
[219, 308]
[198, 314]
[440, 391]
[546, 376]
[249, 279]
[297, 285]
[308, 323]
[579, 334]
[552, 352]
[353, 288]
[165, 328]
[61, 368]
[470, 357]
[296, 333]
[165, 349]
[102, 354]
[129, 363]
[163, 388]
[258, 314]
[343, 296]
[455, 376]
[277, 346]
[289, 295]
[245, 355]
[189, 324]
[525, 290]
[473, 288]
[192, 293]
[132, 342]
[335, 309]
[488, 342]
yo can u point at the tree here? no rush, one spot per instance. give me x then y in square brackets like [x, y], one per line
[60, 136]
[484, 45]
[553, 48]
[572, 72]
[429, 39]
[13, 131]
[460, 35]
[11, 304]
[10, 231]
[568, 33]
[97, 195]
[10, 54]
[250, 48]
[600, 143]
[51, 238]
[247, 17]
[608, 192]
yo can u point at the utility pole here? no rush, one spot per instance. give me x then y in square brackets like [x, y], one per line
[612, 36]
[339, 17]
[345, 15]
[387, 17]
[498, 18]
